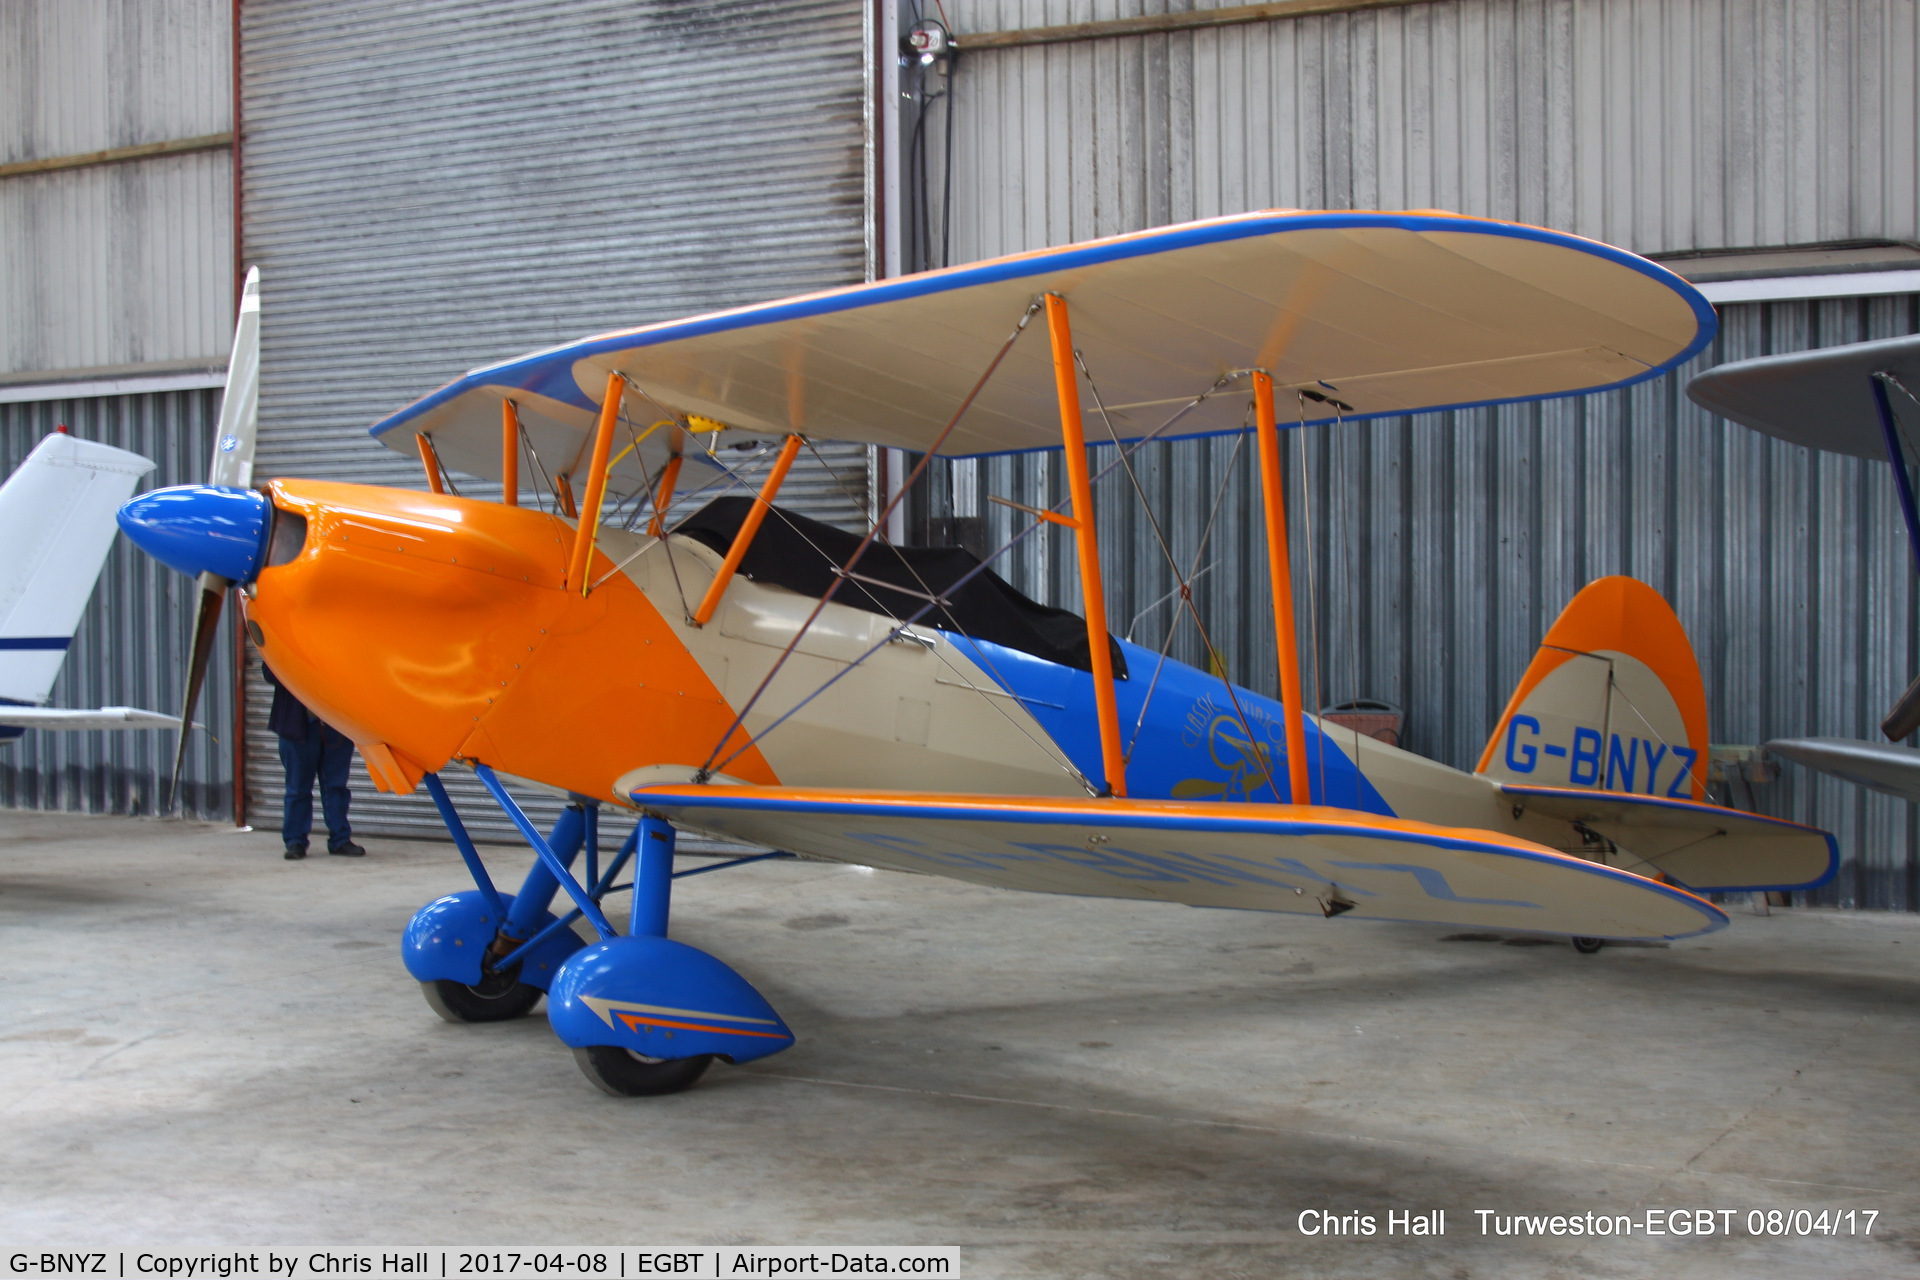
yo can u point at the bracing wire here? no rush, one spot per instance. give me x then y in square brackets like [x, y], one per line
[1186, 583]
[1313, 607]
[727, 476]
[739, 721]
[985, 564]
[446, 473]
[646, 476]
[1161, 599]
[1166, 644]
[859, 503]
[526, 439]
[1346, 535]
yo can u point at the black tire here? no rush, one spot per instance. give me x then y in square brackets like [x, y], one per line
[625, 1074]
[1587, 946]
[495, 1000]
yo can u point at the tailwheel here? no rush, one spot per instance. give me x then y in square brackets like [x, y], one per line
[499, 997]
[1587, 946]
[626, 1074]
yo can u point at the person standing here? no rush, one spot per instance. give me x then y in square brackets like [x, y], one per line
[310, 748]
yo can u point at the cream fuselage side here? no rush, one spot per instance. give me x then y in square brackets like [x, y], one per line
[917, 715]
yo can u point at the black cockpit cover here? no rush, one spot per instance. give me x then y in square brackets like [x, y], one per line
[801, 555]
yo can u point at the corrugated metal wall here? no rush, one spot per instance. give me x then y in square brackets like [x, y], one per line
[127, 651]
[1443, 546]
[431, 185]
[1655, 125]
[124, 263]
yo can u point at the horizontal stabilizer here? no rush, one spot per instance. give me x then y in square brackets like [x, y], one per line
[1880, 766]
[1296, 858]
[104, 718]
[1702, 846]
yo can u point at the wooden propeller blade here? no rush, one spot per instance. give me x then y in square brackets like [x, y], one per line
[206, 624]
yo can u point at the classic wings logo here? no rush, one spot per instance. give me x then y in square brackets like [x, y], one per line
[1245, 763]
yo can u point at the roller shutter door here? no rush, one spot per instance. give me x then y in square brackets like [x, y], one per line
[431, 185]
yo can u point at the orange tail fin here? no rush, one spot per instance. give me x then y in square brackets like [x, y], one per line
[1612, 701]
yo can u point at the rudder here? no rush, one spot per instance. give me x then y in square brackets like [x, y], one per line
[1612, 701]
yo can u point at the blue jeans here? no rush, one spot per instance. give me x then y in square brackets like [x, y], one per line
[325, 752]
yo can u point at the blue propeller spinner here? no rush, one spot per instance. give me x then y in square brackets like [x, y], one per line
[199, 528]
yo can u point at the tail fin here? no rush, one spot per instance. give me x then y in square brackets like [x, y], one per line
[1612, 701]
[56, 523]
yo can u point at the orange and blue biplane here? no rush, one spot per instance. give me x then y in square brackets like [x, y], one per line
[737, 669]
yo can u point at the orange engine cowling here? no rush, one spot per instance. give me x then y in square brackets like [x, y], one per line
[429, 628]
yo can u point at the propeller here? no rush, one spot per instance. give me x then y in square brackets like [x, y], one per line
[232, 469]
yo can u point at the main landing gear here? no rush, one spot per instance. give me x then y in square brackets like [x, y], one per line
[643, 1014]
[1588, 946]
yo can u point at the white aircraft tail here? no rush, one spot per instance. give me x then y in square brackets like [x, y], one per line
[56, 525]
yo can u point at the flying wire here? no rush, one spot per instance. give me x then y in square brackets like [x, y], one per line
[1313, 608]
[984, 565]
[1033, 309]
[526, 438]
[731, 479]
[1166, 644]
[1349, 573]
[1186, 584]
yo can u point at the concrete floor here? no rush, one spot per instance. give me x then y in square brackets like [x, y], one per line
[201, 1044]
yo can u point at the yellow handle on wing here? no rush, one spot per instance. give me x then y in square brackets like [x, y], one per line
[638, 441]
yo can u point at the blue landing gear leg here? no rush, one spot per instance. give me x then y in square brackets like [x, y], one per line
[645, 1015]
[481, 956]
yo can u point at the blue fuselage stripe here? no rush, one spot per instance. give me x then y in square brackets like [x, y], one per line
[1198, 739]
[35, 642]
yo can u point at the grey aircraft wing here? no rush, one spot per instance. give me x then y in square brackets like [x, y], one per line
[1881, 766]
[1821, 399]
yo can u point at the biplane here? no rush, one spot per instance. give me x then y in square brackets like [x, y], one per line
[743, 671]
[56, 527]
[1842, 400]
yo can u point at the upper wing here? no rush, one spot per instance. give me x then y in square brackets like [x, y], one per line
[104, 718]
[1822, 399]
[1384, 312]
[1257, 857]
[1882, 766]
[1703, 846]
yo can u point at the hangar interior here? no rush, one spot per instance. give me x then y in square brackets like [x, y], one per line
[411, 224]
[431, 185]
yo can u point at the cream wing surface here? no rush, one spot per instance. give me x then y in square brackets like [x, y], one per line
[1363, 314]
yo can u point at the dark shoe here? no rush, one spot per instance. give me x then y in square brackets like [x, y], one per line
[348, 850]
[295, 851]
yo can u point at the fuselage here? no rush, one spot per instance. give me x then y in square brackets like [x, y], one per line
[432, 629]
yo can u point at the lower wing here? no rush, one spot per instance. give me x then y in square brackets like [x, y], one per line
[1702, 846]
[1254, 857]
